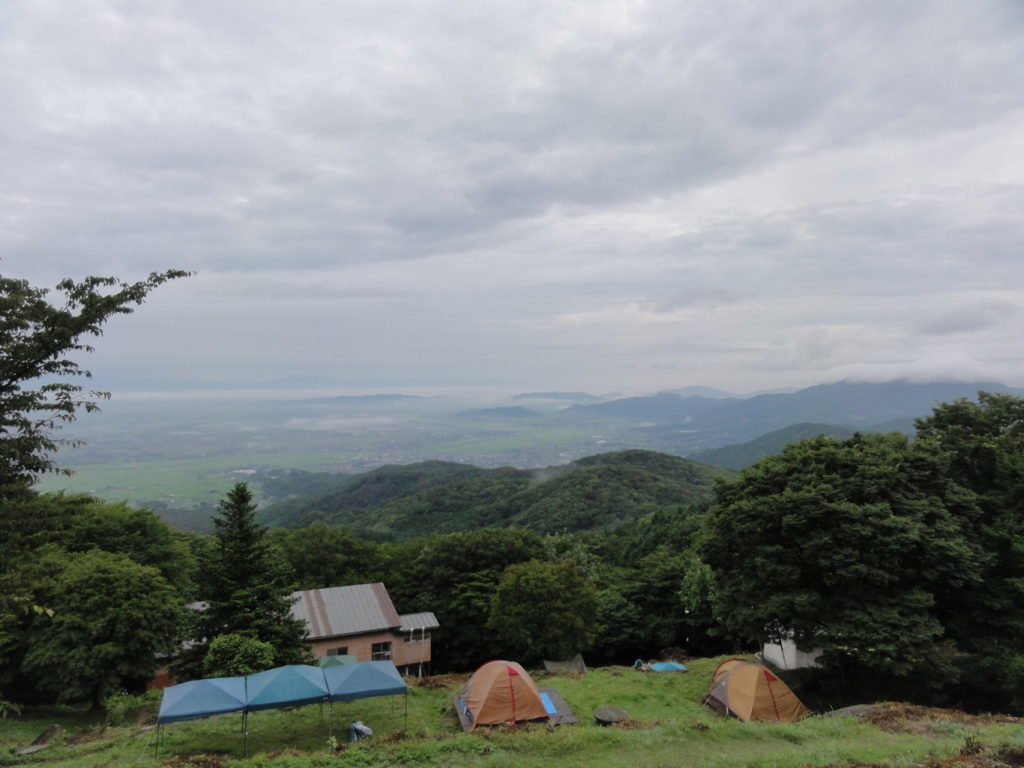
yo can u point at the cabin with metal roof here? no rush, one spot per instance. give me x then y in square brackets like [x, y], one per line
[361, 621]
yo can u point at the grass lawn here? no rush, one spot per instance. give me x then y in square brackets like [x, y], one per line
[667, 726]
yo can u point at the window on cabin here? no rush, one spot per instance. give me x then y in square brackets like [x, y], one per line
[418, 637]
[340, 651]
[381, 651]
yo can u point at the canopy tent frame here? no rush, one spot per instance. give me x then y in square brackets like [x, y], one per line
[296, 686]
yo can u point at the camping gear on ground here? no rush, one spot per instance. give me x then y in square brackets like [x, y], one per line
[576, 665]
[667, 666]
[752, 692]
[357, 731]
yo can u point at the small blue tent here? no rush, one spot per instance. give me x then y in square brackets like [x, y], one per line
[202, 698]
[289, 686]
[363, 680]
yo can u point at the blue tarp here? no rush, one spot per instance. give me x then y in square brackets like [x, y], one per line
[668, 666]
[289, 686]
[202, 698]
[363, 680]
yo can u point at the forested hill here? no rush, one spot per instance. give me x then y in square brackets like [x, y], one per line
[741, 455]
[596, 492]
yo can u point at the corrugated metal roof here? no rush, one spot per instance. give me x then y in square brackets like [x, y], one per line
[348, 610]
[425, 620]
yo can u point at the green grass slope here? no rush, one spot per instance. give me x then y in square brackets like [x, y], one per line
[667, 726]
[597, 492]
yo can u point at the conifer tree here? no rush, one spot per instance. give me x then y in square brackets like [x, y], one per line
[247, 586]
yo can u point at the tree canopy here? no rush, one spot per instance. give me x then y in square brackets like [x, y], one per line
[849, 545]
[38, 341]
[544, 610]
[111, 617]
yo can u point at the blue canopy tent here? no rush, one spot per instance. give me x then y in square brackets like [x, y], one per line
[364, 680]
[290, 686]
[201, 698]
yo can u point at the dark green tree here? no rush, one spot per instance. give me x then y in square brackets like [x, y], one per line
[325, 556]
[247, 588]
[455, 576]
[849, 545]
[544, 610]
[38, 340]
[111, 617]
[985, 443]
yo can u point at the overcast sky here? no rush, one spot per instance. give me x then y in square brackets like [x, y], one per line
[588, 195]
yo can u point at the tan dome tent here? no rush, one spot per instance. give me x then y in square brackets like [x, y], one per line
[752, 692]
[499, 692]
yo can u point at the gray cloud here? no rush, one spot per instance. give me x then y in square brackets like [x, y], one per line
[551, 193]
[969, 319]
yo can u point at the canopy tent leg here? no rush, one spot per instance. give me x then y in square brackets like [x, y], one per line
[245, 734]
[330, 719]
[407, 710]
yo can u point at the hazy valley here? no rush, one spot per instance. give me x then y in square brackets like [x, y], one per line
[179, 453]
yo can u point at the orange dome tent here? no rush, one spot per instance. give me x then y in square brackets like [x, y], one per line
[752, 692]
[499, 692]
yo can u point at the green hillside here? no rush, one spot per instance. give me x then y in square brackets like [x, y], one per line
[593, 493]
[361, 493]
[741, 455]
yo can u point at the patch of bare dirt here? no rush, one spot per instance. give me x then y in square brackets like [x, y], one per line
[636, 725]
[86, 735]
[438, 681]
[899, 717]
[196, 761]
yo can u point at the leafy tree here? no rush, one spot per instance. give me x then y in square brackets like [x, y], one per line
[324, 556]
[111, 618]
[544, 610]
[849, 545]
[247, 588]
[237, 655]
[455, 576]
[985, 441]
[657, 604]
[37, 340]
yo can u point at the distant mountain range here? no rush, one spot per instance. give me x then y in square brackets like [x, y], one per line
[573, 397]
[506, 412]
[596, 492]
[713, 422]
